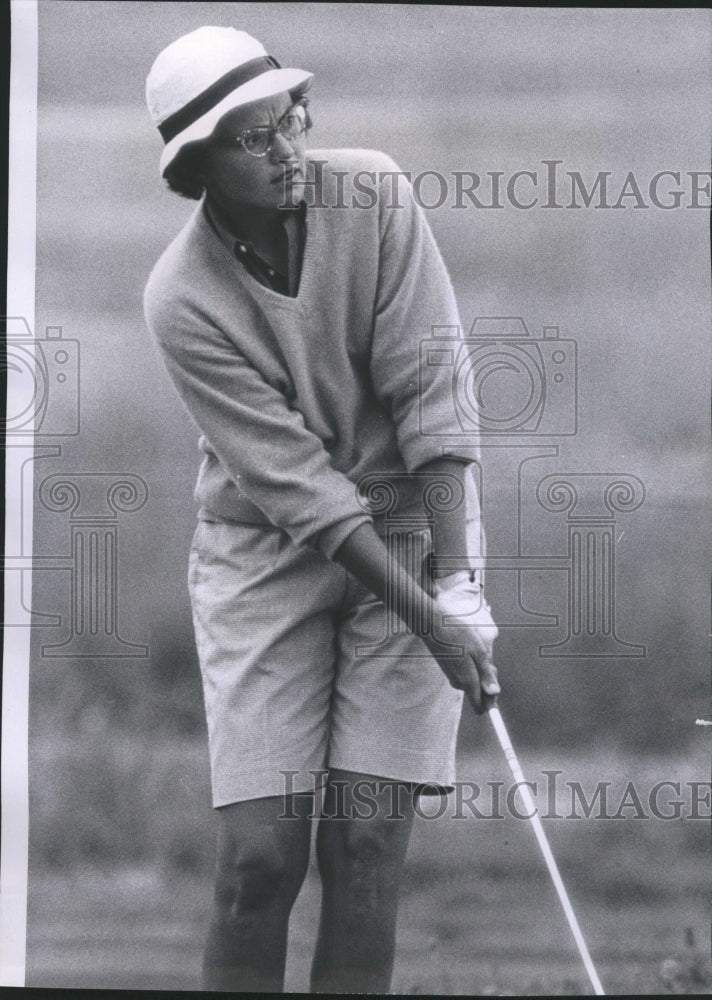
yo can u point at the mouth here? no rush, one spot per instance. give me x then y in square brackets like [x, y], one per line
[289, 177]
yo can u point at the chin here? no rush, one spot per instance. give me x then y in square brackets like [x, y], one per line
[290, 196]
[296, 192]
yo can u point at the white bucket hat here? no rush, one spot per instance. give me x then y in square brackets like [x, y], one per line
[205, 74]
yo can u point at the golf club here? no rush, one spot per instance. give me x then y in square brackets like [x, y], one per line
[501, 731]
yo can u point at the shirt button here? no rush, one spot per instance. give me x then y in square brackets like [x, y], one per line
[242, 248]
[270, 272]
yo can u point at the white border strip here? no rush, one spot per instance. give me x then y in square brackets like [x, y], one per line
[16, 642]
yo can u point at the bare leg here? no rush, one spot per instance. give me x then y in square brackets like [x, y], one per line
[360, 861]
[261, 864]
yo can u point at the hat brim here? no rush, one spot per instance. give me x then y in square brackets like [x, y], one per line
[274, 81]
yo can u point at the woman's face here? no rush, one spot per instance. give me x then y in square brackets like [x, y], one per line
[233, 178]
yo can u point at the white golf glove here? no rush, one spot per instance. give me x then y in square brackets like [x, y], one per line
[459, 595]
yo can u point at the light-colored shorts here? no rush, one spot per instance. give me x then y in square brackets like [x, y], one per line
[303, 669]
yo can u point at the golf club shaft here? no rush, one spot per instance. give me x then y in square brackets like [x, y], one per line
[501, 731]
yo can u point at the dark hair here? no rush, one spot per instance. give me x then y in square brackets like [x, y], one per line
[183, 174]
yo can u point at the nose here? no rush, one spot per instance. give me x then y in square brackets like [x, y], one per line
[281, 149]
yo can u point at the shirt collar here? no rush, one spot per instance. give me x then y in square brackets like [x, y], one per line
[227, 236]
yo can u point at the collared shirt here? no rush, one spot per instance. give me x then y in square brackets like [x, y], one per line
[265, 271]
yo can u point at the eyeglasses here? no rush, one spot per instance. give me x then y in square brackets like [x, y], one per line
[259, 141]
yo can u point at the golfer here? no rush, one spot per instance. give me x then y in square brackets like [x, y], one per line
[290, 312]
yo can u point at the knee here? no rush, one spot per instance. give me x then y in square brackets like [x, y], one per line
[256, 877]
[361, 873]
[366, 845]
[354, 850]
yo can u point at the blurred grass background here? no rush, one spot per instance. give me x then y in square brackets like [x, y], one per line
[121, 832]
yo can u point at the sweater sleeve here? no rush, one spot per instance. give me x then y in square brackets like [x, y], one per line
[414, 296]
[264, 445]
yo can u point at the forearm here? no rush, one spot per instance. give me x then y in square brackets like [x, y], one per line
[365, 555]
[465, 654]
[451, 528]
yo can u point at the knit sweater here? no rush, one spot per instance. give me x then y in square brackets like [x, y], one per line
[298, 398]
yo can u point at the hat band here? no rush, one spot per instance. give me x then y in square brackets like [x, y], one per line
[200, 105]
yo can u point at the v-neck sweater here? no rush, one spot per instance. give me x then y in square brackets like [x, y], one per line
[281, 277]
[298, 399]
